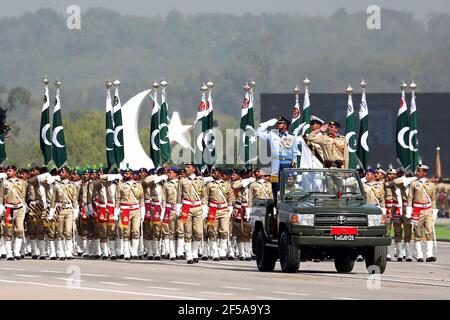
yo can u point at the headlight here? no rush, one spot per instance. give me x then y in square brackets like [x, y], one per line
[376, 220]
[303, 219]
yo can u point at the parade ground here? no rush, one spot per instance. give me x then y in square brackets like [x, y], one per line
[223, 280]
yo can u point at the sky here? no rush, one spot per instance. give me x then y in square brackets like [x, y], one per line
[421, 9]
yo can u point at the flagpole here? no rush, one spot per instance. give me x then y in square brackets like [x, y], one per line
[306, 117]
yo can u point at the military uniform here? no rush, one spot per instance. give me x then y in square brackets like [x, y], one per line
[375, 193]
[421, 202]
[64, 207]
[218, 196]
[102, 213]
[129, 199]
[334, 149]
[112, 232]
[12, 201]
[169, 201]
[189, 212]
[83, 224]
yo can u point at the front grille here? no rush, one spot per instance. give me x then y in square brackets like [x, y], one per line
[329, 220]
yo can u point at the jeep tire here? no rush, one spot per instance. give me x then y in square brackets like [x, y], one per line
[265, 256]
[289, 254]
[376, 259]
[344, 263]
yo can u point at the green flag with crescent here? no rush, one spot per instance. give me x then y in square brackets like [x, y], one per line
[109, 134]
[413, 140]
[119, 153]
[350, 134]
[198, 131]
[402, 133]
[363, 147]
[2, 148]
[154, 130]
[248, 140]
[164, 142]
[59, 150]
[209, 152]
[45, 135]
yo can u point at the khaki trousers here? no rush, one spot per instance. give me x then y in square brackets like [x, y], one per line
[35, 223]
[243, 231]
[133, 229]
[64, 229]
[220, 227]
[402, 230]
[169, 229]
[425, 223]
[16, 228]
[193, 227]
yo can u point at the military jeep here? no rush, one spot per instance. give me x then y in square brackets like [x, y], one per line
[319, 214]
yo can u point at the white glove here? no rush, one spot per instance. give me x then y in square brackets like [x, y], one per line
[435, 214]
[230, 210]
[142, 213]
[25, 207]
[2, 210]
[163, 213]
[90, 210]
[208, 179]
[178, 209]
[384, 210]
[57, 178]
[246, 182]
[409, 211]
[3, 176]
[76, 213]
[116, 214]
[119, 176]
[161, 178]
[111, 177]
[41, 177]
[51, 180]
[51, 214]
[45, 204]
[268, 123]
[205, 210]
[248, 212]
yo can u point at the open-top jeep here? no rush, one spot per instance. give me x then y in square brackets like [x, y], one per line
[319, 214]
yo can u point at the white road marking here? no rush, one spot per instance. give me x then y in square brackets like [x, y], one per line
[52, 271]
[164, 288]
[94, 275]
[13, 269]
[137, 279]
[237, 288]
[291, 293]
[344, 298]
[217, 293]
[186, 283]
[103, 290]
[268, 298]
[69, 279]
[26, 275]
[115, 284]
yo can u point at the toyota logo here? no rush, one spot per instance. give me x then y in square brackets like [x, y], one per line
[341, 219]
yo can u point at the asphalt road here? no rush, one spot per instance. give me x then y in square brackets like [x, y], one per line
[96, 279]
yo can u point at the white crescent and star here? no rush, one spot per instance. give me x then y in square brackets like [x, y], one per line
[154, 146]
[411, 135]
[163, 125]
[199, 142]
[108, 131]
[364, 141]
[55, 137]
[401, 137]
[44, 134]
[348, 136]
[116, 134]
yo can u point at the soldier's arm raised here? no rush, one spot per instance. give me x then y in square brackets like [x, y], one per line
[315, 137]
[117, 196]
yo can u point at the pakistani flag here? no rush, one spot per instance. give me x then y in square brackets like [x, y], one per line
[118, 128]
[109, 134]
[402, 133]
[350, 133]
[59, 150]
[248, 145]
[296, 115]
[154, 130]
[2, 148]
[413, 141]
[45, 132]
[209, 156]
[198, 131]
[306, 114]
[164, 129]
[363, 147]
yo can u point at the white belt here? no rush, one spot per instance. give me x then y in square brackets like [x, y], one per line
[155, 203]
[422, 205]
[239, 206]
[36, 202]
[147, 201]
[64, 205]
[218, 205]
[130, 207]
[171, 206]
[13, 206]
[192, 203]
[101, 205]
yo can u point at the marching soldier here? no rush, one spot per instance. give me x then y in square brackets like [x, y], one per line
[76, 180]
[129, 204]
[333, 145]
[65, 208]
[169, 200]
[217, 200]
[422, 210]
[189, 211]
[374, 190]
[12, 207]
[93, 204]
[83, 219]
[102, 213]
[36, 205]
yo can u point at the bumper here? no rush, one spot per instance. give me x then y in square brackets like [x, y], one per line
[330, 242]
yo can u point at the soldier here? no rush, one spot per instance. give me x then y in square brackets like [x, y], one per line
[76, 180]
[65, 208]
[315, 124]
[169, 199]
[333, 145]
[217, 200]
[422, 210]
[129, 204]
[189, 211]
[83, 220]
[12, 207]
[290, 183]
[93, 203]
[374, 190]
[36, 207]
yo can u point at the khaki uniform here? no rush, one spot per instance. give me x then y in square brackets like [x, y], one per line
[64, 201]
[36, 207]
[333, 148]
[101, 211]
[422, 198]
[396, 201]
[169, 191]
[153, 208]
[375, 193]
[129, 198]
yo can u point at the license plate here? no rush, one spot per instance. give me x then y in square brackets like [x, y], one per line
[344, 237]
[344, 231]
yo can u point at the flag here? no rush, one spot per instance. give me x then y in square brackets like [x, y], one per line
[59, 150]
[154, 130]
[109, 134]
[198, 131]
[163, 128]
[413, 141]
[402, 146]
[308, 160]
[306, 114]
[208, 138]
[350, 134]
[247, 126]
[45, 132]
[296, 115]
[118, 128]
[363, 148]
[2, 148]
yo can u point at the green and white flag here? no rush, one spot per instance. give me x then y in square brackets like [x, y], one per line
[45, 135]
[154, 130]
[109, 134]
[306, 113]
[350, 134]
[363, 147]
[118, 129]
[59, 150]
[248, 146]
[413, 141]
[209, 154]
[164, 128]
[198, 131]
[2, 148]
[402, 133]
[296, 116]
